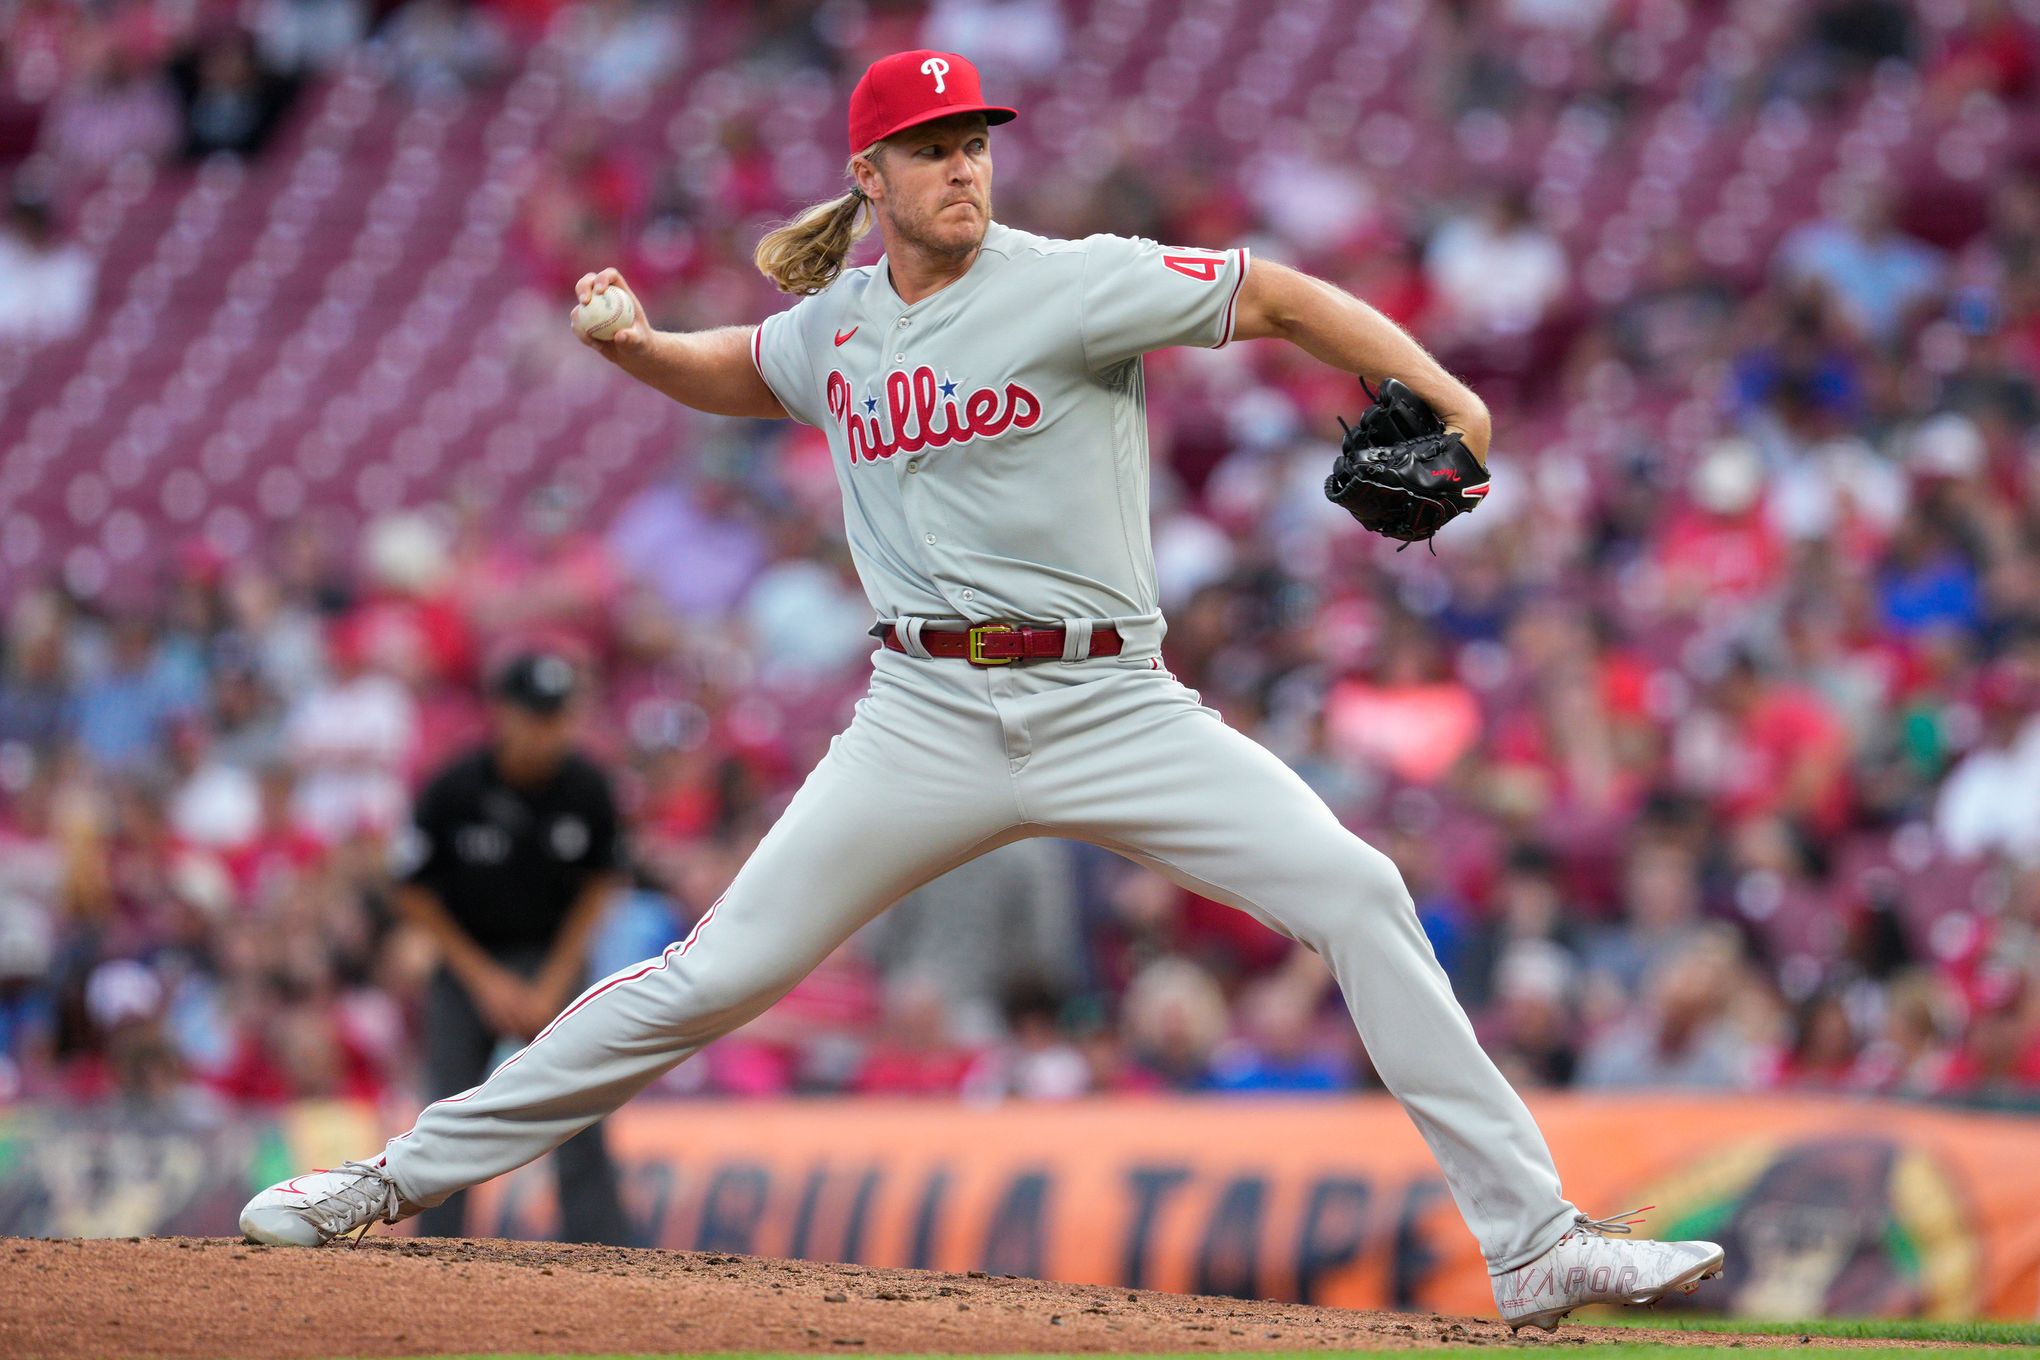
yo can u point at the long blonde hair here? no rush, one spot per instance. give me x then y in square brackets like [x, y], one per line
[805, 254]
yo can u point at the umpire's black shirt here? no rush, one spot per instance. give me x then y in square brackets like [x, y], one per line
[509, 860]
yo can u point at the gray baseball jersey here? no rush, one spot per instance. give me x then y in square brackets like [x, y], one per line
[991, 439]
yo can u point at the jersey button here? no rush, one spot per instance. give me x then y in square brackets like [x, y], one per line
[913, 465]
[970, 594]
[904, 323]
[899, 358]
[931, 538]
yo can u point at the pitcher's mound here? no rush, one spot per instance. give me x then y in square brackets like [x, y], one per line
[215, 1297]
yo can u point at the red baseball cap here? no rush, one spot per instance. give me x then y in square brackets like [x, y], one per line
[916, 87]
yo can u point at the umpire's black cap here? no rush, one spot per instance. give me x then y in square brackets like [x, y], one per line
[540, 681]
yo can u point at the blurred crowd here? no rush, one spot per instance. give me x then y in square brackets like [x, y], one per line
[1709, 748]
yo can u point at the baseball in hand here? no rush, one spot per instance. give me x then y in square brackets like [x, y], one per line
[604, 314]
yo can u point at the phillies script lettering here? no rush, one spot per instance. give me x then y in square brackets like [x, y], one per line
[922, 416]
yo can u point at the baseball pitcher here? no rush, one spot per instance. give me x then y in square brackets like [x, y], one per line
[981, 391]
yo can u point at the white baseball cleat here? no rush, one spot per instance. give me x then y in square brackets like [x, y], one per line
[313, 1209]
[1587, 1265]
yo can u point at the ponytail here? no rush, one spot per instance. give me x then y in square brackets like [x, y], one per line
[805, 254]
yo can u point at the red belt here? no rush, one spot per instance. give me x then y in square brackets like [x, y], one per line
[1001, 644]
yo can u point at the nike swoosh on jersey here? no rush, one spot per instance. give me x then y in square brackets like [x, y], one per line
[841, 336]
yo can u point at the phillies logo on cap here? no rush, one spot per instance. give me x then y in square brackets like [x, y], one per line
[915, 87]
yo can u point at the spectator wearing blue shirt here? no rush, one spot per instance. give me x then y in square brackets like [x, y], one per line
[1279, 1053]
[1878, 274]
[124, 714]
[1928, 583]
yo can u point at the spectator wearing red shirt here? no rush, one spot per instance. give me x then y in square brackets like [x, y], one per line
[556, 579]
[1994, 50]
[287, 1046]
[1719, 550]
[1787, 753]
[280, 849]
[1413, 717]
[914, 1054]
[1999, 1062]
[408, 622]
[1823, 1053]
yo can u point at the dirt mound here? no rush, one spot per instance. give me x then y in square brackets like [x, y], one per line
[216, 1297]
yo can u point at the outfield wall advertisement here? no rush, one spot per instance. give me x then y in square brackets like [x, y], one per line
[1825, 1206]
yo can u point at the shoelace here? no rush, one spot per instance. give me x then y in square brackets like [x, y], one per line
[1614, 1225]
[358, 1203]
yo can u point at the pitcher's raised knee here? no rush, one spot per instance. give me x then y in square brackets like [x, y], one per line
[1350, 886]
[1373, 878]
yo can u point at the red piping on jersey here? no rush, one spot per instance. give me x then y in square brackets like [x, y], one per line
[677, 949]
[758, 362]
[1234, 298]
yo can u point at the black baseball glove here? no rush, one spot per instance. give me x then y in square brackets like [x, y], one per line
[1399, 473]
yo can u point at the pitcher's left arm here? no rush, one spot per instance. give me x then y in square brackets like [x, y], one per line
[1334, 327]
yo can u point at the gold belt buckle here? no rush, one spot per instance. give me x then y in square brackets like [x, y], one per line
[975, 641]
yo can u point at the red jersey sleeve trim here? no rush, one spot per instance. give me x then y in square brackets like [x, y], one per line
[758, 362]
[1232, 302]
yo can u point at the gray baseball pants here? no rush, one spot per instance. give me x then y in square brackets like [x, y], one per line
[944, 761]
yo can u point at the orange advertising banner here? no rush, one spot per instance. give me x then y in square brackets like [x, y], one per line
[1826, 1207]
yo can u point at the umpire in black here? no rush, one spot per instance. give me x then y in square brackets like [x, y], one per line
[513, 852]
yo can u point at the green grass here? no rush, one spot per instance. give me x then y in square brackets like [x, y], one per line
[1972, 1339]
[1977, 1339]
[1978, 1332]
[1622, 1350]
[1457, 1352]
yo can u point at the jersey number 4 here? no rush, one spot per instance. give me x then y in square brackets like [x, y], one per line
[1203, 268]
